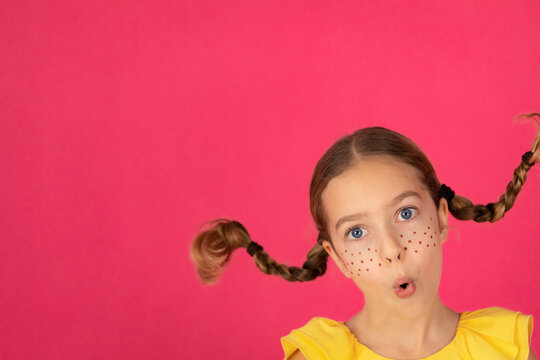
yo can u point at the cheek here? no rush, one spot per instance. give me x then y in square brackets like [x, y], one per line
[420, 238]
[360, 259]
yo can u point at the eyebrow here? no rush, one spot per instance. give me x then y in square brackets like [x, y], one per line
[394, 202]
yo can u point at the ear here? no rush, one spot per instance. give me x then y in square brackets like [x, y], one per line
[339, 262]
[442, 213]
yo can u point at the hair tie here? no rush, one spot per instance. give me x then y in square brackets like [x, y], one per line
[320, 238]
[253, 248]
[527, 157]
[447, 193]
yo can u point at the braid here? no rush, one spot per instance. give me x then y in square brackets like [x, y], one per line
[314, 266]
[463, 209]
[212, 249]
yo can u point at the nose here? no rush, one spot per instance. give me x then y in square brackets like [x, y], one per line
[390, 248]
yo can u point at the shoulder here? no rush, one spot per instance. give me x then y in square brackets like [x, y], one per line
[497, 321]
[490, 312]
[498, 328]
[320, 338]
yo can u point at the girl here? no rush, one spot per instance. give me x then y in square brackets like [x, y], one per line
[382, 217]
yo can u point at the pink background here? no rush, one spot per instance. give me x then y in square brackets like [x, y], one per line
[125, 126]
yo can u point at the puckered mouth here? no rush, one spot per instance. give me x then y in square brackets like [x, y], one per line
[402, 282]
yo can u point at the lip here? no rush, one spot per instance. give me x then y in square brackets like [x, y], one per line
[401, 280]
[408, 291]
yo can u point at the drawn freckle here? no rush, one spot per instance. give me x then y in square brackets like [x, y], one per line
[427, 245]
[360, 253]
[352, 263]
[379, 264]
[428, 227]
[362, 261]
[345, 250]
[367, 269]
[430, 218]
[370, 259]
[414, 232]
[431, 236]
[410, 241]
[368, 249]
[375, 250]
[415, 251]
[401, 235]
[424, 233]
[420, 242]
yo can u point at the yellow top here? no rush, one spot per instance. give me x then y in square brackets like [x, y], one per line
[492, 333]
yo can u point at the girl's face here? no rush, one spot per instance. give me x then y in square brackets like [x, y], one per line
[386, 230]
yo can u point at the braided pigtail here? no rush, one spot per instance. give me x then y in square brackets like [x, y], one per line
[463, 209]
[314, 266]
[212, 249]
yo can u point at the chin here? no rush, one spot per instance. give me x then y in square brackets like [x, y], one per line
[412, 307]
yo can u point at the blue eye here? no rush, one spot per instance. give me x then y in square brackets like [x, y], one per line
[356, 232]
[407, 213]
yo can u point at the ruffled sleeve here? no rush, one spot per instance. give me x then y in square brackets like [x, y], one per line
[495, 333]
[321, 338]
[522, 335]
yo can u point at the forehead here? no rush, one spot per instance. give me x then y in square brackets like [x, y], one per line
[370, 185]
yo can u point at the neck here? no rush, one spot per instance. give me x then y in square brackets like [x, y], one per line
[406, 335]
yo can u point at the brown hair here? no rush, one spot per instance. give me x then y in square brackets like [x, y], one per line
[212, 248]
